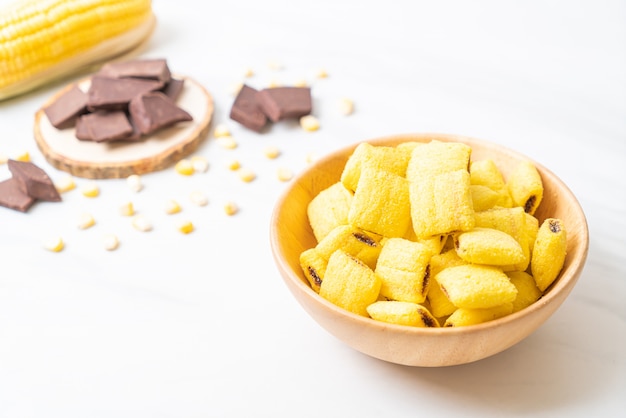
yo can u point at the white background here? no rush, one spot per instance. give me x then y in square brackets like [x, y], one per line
[201, 325]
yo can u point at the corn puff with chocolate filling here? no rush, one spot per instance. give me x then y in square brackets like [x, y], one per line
[549, 252]
[440, 305]
[403, 270]
[486, 173]
[313, 266]
[352, 240]
[488, 246]
[527, 290]
[391, 159]
[402, 313]
[483, 197]
[329, 209]
[464, 317]
[526, 187]
[381, 203]
[349, 284]
[437, 157]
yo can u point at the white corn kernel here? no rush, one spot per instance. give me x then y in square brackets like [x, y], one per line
[85, 221]
[184, 167]
[65, 184]
[172, 207]
[54, 244]
[221, 130]
[248, 72]
[227, 142]
[200, 164]
[24, 156]
[127, 209]
[134, 183]
[110, 242]
[230, 208]
[199, 198]
[309, 123]
[247, 175]
[321, 73]
[284, 174]
[185, 227]
[234, 165]
[90, 189]
[310, 158]
[346, 106]
[271, 152]
[141, 223]
[300, 83]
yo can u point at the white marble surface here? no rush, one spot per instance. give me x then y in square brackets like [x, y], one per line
[202, 325]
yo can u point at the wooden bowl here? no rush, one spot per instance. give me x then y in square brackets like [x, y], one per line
[290, 234]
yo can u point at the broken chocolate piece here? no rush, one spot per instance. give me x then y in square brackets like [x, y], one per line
[115, 93]
[285, 102]
[62, 113]
[246, 109]
[103, 126]
[174, 88]
[152, 69]
[12, 196]
[153, 111]
[33, 181]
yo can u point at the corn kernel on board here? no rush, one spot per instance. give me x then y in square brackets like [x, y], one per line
[94, 160]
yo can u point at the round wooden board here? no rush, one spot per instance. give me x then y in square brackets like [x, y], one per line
[120, 159]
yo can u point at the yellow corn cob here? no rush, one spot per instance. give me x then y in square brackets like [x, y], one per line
[44, 40]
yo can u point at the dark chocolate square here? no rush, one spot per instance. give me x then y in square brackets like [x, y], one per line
[285, 102]
[246, 109]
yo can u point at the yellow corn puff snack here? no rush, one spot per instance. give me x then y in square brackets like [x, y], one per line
[437, 157]
[314, 266]
[440, 305]
[441, 204]
[513, 221]
[531, 229]
[549, 252]
[352, 240]
[483, 197]
[391, 159]
[402, 313]
[527, 290]
[434, 244]
[476, 287]
[329, 209]
[463, 317]
[381, 203]
[525, 186]
[403, 270]
[349, 284]
[488, 246]
[486, 173]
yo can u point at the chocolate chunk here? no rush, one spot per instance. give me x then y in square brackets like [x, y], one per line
[103, 126]
[63, 112]
[152, 69]
[174, 88]
[116, 93]
[33, 181]
[246, 109]
[153, 111]
[12, 196]
[285, 102]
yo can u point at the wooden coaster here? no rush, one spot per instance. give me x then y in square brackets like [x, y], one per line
[120, 159]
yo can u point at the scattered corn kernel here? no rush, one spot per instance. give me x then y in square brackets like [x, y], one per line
[227, 142]
[110, 242]
[230, 208]
[247, 175]
[221, 130]
[55, 244]
[274, 83]
[85, 221]
[91, 189]
[134, 182]
[346, 106]
[24, 156]
[271, 152]
[185, 227]
[127, 209]
[200, 164]
[199, 198]
[141, 223]
[309, 123]
[321, 73]
[248, 72]
[275, 65]
[65, 184]
[284, 174]
[300, 83]
[184, 167]
[172, 207]
[311, 158]
[234, 165]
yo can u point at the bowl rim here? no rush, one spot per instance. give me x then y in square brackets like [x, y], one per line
[564, 283]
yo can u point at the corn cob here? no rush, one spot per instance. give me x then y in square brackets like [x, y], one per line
[44, 40]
